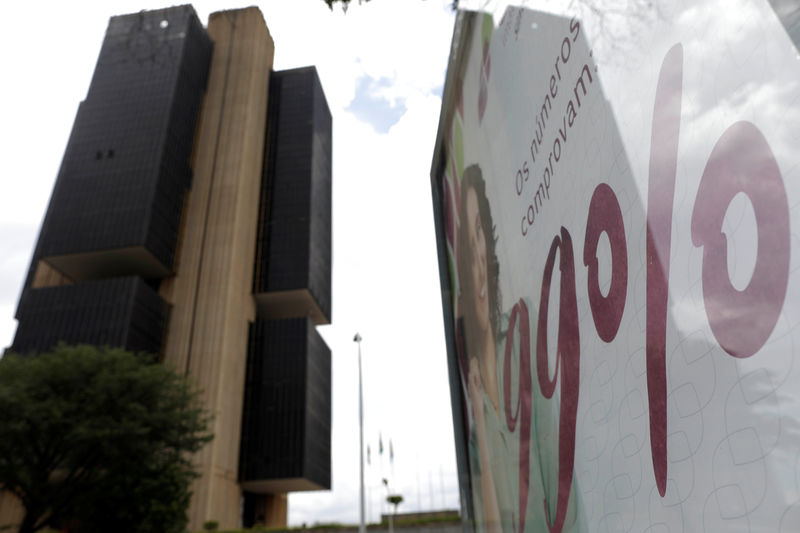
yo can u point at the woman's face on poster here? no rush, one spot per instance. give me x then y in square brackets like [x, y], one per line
[477, 245]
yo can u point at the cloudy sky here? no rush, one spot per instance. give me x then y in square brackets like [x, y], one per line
[382, 66]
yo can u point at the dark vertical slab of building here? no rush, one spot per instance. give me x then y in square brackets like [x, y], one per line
[115, 210]
[317, 449]
[120, 188]
[286, 420]
[319, 279]
[293, 263]
[286, 423]
[118, 312]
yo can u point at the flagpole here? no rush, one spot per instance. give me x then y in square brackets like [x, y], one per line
[361, 525]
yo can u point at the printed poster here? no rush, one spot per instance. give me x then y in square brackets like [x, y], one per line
[619, 211]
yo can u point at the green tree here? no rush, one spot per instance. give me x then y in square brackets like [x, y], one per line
[98, 439]
[395, 499]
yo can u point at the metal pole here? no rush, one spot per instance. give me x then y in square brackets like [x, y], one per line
[362, 528]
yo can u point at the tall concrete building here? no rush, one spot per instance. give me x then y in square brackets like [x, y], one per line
[191, 218]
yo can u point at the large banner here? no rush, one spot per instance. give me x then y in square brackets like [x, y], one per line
[618, 218]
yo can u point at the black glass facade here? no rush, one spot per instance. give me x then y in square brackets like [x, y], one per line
[286, 421]
[115, 209]
[119, 312]
[294, 247]
[127, 164]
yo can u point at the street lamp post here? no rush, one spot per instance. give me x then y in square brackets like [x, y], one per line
[361, 525]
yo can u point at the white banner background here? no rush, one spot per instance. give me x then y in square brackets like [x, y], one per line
[733, 423]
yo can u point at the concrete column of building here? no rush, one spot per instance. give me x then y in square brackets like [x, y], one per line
[211, 292]
[276, 507]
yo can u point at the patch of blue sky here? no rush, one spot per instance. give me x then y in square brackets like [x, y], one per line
[371, 106]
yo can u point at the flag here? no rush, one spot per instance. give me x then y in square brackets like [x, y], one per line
[380, 444]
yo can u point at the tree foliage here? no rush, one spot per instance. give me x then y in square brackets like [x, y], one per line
[395, 499]
[343, 3]
[98, 439]
[346, 3]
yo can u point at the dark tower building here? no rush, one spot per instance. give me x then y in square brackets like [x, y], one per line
[191, 218]
[116, 205]
[294, 242]
[286, 449]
